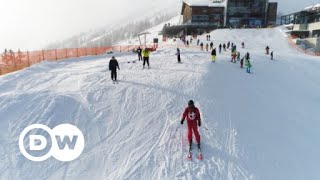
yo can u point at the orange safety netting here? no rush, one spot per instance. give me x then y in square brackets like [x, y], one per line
[13, 61]
[292, 43]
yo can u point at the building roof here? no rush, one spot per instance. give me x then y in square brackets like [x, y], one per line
[207, 3]
[312, 8]
[203, 3]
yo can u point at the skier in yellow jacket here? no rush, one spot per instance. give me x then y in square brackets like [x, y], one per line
[146, 55]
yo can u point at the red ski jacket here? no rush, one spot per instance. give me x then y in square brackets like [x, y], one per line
[192, 114]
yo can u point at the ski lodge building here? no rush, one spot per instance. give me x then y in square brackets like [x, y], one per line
[231, 13]
[199, 16]
[305, 26]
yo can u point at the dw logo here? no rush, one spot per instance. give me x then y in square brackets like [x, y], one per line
[67, 142]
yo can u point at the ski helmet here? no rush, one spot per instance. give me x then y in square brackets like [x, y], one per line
[190, 103]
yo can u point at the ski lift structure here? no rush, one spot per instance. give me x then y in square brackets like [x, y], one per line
[144, 36]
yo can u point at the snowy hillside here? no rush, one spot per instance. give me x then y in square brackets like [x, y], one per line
[263, 125]
[152, 33]
[123, 30]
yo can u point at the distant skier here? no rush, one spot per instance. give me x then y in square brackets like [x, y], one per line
[178, 55]
[113, 66]
[192, 114]
[246, 57]
[241, 62]
[271, 54]
[207, 47]
[233, 48]
[191, 40]
[146, 55]
[228, 45]
[187, 43]
[242, 44]
[198, 41]
[233, 56]
[209, 36]
[213, 55]
[211, 45]
[238, 56]
[220, 46]
[139, 51]
[224, 47]
[201, 46]
[248, 65]
[267, 50]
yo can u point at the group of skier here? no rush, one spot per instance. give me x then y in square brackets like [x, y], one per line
[191, 113]
[267, 52]
[143, 54]
[207, 46]
[235, 55]
[208, 36]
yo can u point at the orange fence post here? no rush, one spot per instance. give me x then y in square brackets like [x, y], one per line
[28, 59]
[42, 55]
[55, 52]
[14, 61]
[77, 52]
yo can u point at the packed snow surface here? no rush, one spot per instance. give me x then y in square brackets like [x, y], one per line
[263, 125]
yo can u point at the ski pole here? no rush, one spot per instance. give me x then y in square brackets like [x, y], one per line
[205, 128]
[176, 130]
[178, 126]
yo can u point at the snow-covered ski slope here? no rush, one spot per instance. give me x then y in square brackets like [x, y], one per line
[151, 34]
[263, 125]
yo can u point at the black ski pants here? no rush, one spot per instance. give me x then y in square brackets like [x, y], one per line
[114, 74]
[145, 60]
[140, 57]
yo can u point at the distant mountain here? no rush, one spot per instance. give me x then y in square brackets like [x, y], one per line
[127, 28]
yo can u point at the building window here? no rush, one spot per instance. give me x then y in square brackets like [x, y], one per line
[216, 17]
[200, 18]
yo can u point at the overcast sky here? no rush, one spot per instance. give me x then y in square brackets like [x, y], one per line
[31, 24]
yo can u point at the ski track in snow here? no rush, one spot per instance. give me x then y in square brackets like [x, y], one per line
[132, 129]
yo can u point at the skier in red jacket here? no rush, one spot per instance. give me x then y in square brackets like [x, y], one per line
[193, 119]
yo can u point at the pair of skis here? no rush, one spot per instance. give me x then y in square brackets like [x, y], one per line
[189, 156]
